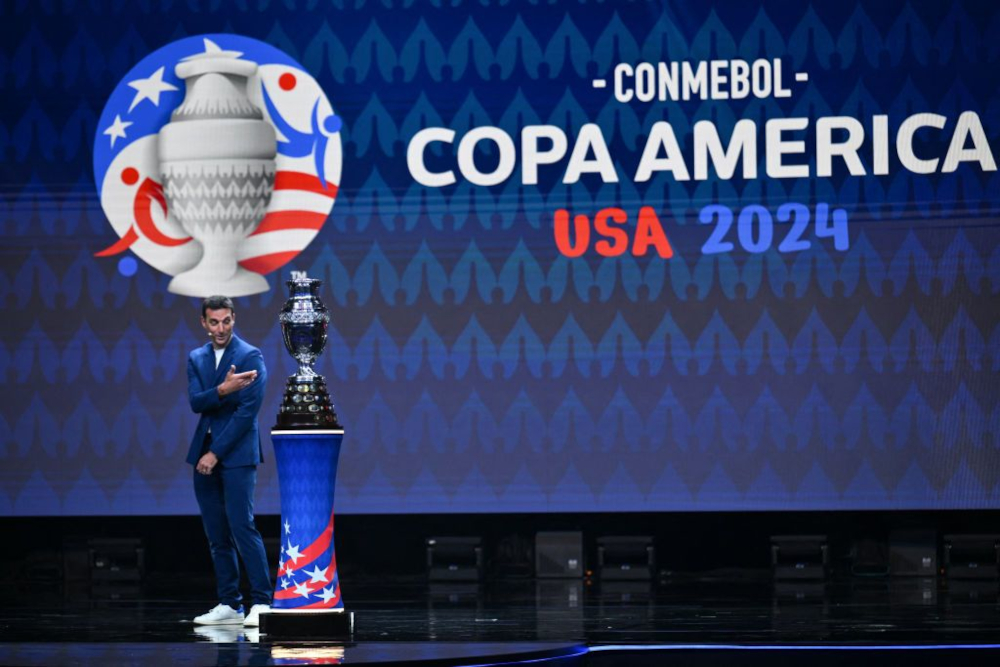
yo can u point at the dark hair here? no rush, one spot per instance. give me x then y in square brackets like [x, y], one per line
[216, 302]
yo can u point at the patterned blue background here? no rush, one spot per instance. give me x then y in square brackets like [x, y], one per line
[475, 368]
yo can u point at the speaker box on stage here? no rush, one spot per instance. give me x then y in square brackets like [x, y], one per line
[114, 560]
[513, 557]
[454, 558]
[972, 556]
[799, 556]
[913, 553]
[559, 554]
[870, 557]
[626, 558]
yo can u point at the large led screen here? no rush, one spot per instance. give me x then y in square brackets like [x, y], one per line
[578, 256]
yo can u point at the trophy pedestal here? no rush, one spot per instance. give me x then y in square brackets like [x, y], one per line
[305, 625]
[307, 595]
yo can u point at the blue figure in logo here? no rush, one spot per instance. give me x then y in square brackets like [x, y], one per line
[301, 144]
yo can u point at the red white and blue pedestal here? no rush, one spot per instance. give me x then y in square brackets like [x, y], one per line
[307, 600]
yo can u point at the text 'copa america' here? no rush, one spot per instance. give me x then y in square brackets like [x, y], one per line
[777, 148]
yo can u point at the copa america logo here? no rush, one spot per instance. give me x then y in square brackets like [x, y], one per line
[217, 159]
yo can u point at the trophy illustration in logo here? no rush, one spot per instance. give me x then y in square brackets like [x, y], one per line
[217, 161]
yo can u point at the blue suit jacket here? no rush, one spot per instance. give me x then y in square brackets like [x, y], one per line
[233, 419]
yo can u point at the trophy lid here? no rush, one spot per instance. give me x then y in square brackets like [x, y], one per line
[215, 59]
[219, 65]
[303, 285]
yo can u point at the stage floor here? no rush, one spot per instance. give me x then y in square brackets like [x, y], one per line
[736, 617]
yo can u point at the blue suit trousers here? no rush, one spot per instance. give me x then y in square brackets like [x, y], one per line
[226, 501]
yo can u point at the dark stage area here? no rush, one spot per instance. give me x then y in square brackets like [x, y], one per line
[713, 596]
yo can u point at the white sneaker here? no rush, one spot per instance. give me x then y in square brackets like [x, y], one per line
[221, 614]
[253, 618]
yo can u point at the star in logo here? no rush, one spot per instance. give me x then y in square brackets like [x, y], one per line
[150, 89]
[303, 589]
[117, 129]
[327, 594]
[318, 575]
[288, 527]
[293, 553]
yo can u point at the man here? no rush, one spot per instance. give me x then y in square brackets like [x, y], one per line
[226, 379]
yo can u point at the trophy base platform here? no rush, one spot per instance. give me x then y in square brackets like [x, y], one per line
[306, 405]
[307, 624]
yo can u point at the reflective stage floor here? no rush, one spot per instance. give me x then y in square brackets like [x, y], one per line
[730, 618]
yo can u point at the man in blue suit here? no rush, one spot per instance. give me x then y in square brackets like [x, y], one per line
[226, 379]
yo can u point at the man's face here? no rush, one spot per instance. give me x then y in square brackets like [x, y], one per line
[219, 325]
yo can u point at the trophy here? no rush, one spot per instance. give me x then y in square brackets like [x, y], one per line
[217, 164]
[304, 320]
[307, 438]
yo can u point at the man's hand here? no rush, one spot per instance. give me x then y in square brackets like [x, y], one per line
[207, 463]
[235, 381]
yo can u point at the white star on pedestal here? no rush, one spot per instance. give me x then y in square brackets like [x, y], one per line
[327, 594]
[303, 589]
[281, 564]
[288, 528]
[293, 553]
[150, 89]
[284, 583]
[117, 129]
[318, 575]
